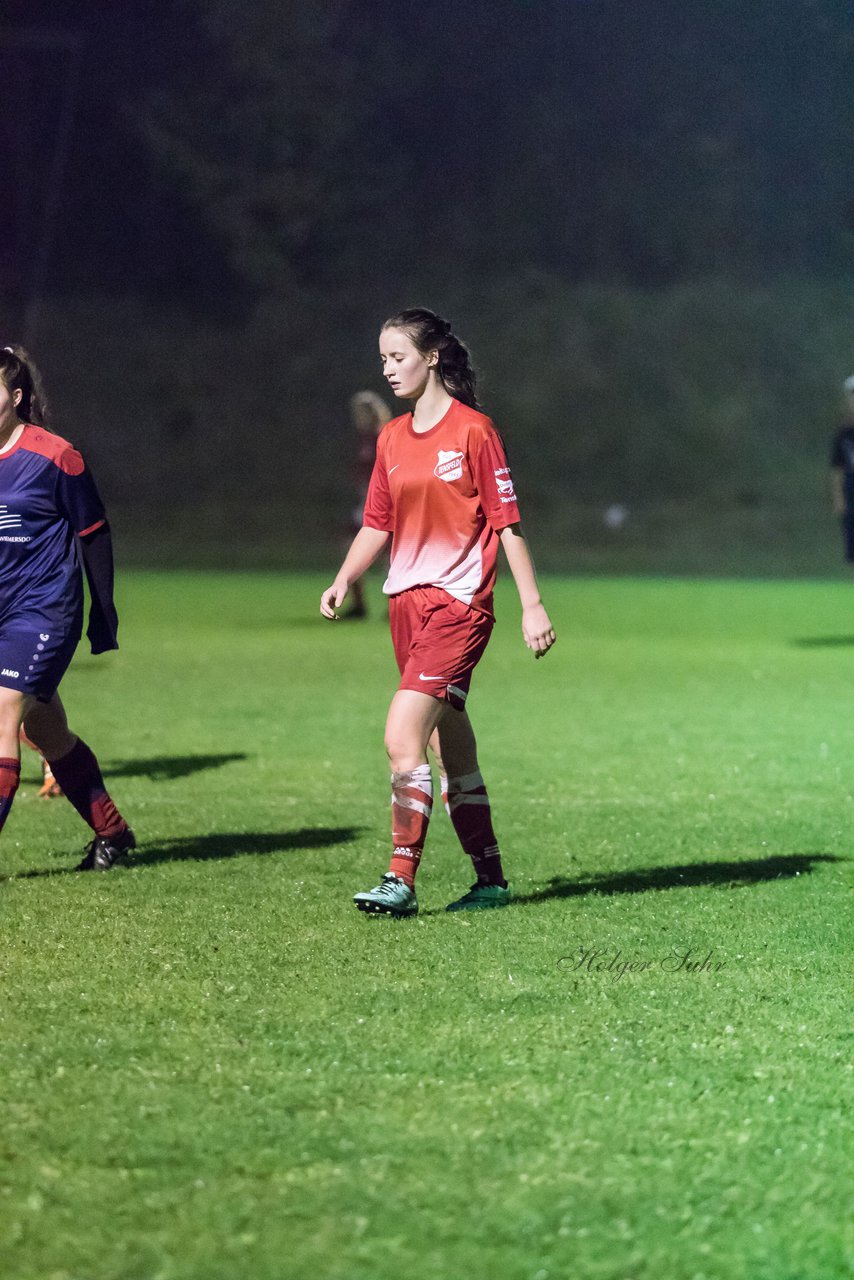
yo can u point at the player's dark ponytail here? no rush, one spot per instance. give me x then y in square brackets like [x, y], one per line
[20, 374]
[430, 332]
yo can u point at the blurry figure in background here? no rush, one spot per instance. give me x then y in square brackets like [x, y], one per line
[52, 521]
[842, 471]
[49, 788]
[369, 413]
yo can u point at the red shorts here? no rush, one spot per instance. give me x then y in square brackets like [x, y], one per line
[438, 641]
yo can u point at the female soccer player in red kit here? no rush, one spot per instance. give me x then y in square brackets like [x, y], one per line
[441, 489]
[51, 518]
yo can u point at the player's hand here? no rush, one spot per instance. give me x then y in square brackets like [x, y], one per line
[537, 630]
[332, 599]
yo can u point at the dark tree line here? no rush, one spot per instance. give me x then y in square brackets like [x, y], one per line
[219, 146]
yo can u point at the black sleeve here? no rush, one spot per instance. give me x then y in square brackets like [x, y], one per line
[96, 549]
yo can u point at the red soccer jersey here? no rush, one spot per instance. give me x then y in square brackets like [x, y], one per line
[445, 495]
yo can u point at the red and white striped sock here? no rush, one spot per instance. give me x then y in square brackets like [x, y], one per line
[471, 815]
[411, 806]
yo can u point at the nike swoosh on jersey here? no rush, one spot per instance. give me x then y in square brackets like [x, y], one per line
[394, 468]
[423, 677]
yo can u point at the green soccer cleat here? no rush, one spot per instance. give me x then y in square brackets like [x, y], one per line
[481, 897]
[391, 897]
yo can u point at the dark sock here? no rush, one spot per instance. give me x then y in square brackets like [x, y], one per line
[80, 778]
[471, 815]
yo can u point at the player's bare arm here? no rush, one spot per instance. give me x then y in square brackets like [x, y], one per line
[364, 550]
[537, 630]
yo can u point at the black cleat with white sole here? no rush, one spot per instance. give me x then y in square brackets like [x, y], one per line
[104, 852]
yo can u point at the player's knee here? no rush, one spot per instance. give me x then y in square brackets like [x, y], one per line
[395, 747]
[404, 752]
[46, 726]
[11, 705]
[11, 715]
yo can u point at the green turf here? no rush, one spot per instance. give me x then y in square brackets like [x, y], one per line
[213, 1067]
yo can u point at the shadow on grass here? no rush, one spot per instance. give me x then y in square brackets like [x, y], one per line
[824, 642]
[166, 768]
[729, 874]
[320, 622]
[217, 845]
[238, 844]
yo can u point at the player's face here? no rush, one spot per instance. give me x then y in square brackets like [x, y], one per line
[405, 369]
[9, 401]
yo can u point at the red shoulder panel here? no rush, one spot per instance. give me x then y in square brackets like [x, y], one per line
[58, 451]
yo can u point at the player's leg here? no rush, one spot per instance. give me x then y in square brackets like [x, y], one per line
[412, 719]
[12, 706]
[50, 786]
[31, 660]
[79, 775]
[358, 607]
[470, 811]
[357, 604]
[848, 536]
[465, 758]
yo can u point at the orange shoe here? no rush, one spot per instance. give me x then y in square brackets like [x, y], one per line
[50, 786]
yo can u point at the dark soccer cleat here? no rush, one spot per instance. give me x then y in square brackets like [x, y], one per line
[105, 851]
[482, 897]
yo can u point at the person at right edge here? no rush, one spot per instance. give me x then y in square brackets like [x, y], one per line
[842, 471]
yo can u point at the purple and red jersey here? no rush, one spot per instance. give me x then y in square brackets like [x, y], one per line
[47, 496]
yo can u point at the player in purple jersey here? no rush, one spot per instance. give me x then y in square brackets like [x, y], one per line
[842, 471]
[51, 520]
[49, 788]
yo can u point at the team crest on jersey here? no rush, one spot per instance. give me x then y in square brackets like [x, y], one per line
[504, 481]
[450, 465]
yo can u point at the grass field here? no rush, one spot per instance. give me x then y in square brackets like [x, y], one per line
[213, 1067]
